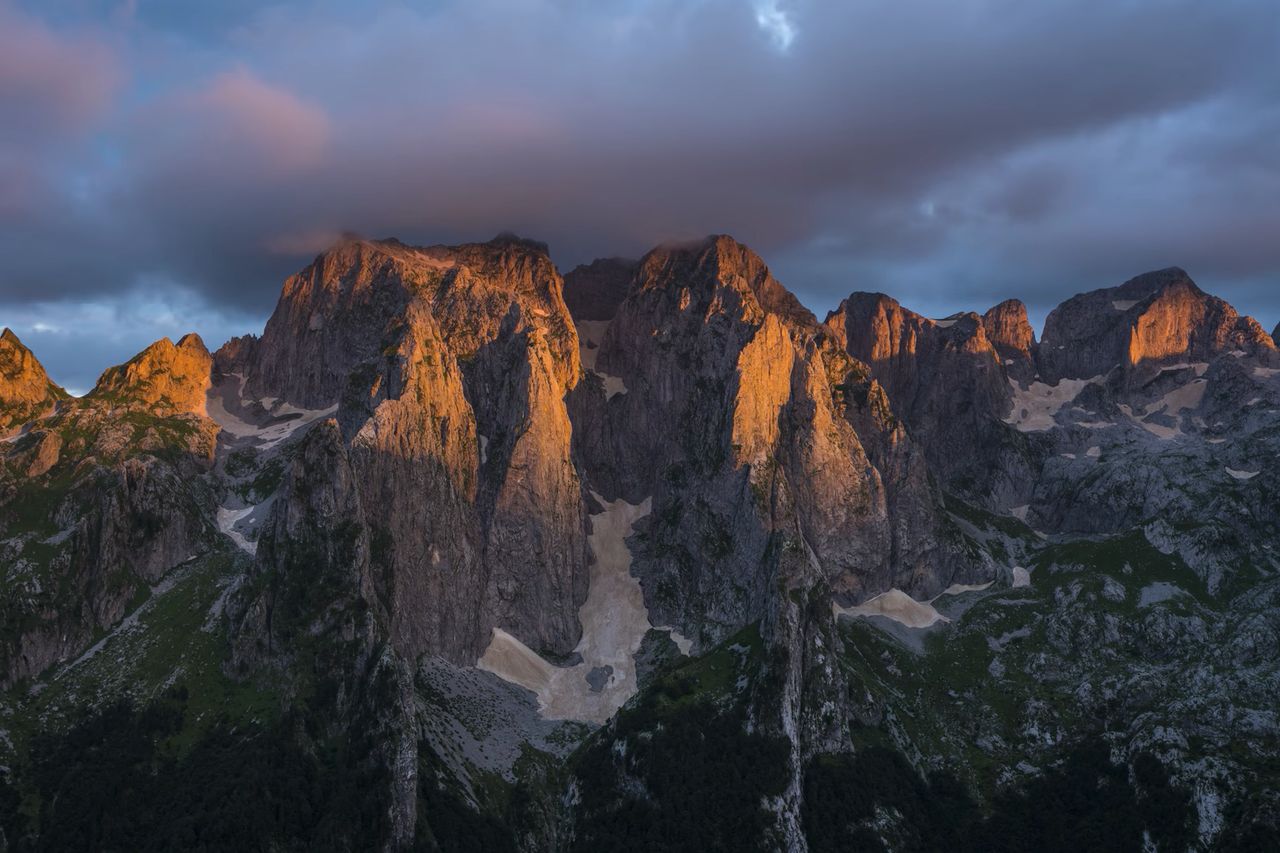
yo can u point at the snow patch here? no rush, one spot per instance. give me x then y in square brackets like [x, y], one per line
[1021, 577]
[590, 335]
[1035, 406]
[614, 621]
[896, 605]
[1242, 475]
[227, 519]
[1124, 304]
[1093, 452]
[961, 588]
[683, 643]
[270, 434]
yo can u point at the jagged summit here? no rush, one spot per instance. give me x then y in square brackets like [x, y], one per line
[721, 260]
[26, 391]
[165, 377]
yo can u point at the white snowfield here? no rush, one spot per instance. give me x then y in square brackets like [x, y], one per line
[614, 621]
[592, 332]
[905, 610]
[271, 434]
[1035, 406]
[1124, 304]
[1242, 475]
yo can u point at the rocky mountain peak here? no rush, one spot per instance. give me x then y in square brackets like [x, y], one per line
[26, 391]
[1008, 328]
[1156, 318]
[1010, 332]
[165, 377]
[720, 260]
[353, 304]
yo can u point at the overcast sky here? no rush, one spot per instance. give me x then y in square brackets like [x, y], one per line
[165, 164]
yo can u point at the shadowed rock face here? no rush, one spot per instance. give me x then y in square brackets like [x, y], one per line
[1157, 318]
[946, 380]
[26, 392]
[449, 367]
[594, 291]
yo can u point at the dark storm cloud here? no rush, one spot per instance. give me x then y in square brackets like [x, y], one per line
[950, 153]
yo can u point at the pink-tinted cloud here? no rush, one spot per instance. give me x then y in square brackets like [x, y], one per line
[270, 126]
[51, 83]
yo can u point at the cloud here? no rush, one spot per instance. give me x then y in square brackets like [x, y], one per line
[776, 23]
[951, 153]
[51, 83]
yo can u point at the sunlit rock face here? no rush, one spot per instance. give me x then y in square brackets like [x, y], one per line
[166, 378]
[1010, 332]
[1154, 319]
[449, 367]
[26, 392]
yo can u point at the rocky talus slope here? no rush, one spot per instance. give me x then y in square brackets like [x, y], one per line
[461, 554]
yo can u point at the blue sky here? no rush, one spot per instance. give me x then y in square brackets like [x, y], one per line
[164, 165]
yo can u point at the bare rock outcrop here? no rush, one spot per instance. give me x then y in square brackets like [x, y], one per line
[165, 378]
[26, 392]
[1010, 332]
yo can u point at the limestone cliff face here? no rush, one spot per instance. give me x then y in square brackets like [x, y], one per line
[1010, 332]
[26, 392]
[1154, 319]
[165, 378]
[594, 291]
[448, 367]
[946, 380]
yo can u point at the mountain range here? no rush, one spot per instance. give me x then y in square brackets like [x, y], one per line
[462, 553]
